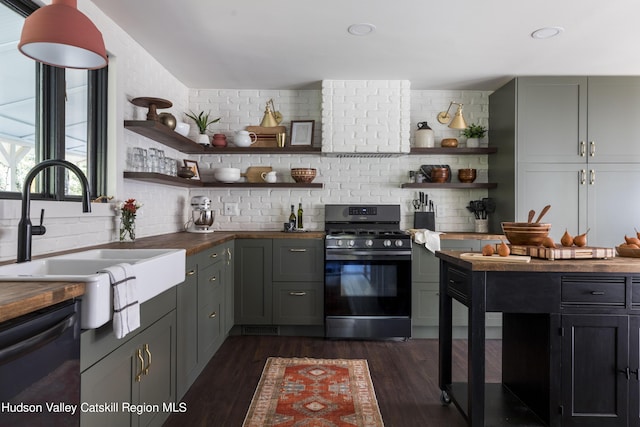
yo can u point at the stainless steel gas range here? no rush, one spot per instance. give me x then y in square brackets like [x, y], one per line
[367, 272]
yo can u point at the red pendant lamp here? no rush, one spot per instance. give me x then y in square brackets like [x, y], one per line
[62, 36]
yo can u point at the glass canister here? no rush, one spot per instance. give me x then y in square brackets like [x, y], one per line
[424, 136]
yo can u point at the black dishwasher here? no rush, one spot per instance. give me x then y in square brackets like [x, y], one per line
[40, 368]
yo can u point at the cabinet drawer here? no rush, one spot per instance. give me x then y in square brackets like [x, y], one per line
[298, 304]
[298, 260]
[608, 291]
[459, 285]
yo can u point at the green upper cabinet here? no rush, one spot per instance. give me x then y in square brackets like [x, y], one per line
[551, 118]
[577, 119]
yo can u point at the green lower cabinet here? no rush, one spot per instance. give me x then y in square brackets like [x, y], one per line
[204, 311]
[425, 295]
[253, 282]
[140, 372]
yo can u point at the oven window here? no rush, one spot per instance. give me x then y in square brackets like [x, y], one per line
[366, 280]
[367, 288]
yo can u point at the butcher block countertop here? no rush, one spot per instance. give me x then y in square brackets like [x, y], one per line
[18, 298]
[612, 265]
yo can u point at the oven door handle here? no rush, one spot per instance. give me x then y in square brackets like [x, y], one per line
[29, 344]
[350, 255]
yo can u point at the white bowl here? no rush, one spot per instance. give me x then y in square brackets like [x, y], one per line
[227, 175]
[182, 128]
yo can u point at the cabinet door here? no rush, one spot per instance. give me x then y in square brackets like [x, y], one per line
[157, 385]
[614, 109]
[594, 357]
[298, 260]
[552, 119]
[614, 203]
[187, 326]
[110, 380]
[228, 288]
[563, 186]
[253, 285]
[634, 366]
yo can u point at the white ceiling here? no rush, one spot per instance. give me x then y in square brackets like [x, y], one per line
[463, 44]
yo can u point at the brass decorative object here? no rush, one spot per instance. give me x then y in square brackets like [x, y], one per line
[458, 121]
[271, 117]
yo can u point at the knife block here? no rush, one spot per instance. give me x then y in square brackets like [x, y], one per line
[424, 220]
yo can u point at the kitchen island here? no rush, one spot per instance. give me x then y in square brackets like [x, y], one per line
[571, 350]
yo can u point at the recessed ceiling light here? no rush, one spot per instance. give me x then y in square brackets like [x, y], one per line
[546, 32]
[361, 29]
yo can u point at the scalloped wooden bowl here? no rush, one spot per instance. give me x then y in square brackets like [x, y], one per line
[628, 252]
[525, 233]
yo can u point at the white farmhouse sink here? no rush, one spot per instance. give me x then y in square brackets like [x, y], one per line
[156, 270]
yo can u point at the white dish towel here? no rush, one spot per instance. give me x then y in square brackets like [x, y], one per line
[126, 309]
[430, 239]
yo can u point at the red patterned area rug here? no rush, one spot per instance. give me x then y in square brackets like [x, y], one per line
[314, 393]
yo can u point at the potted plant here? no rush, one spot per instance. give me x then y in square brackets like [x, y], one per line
[202, 121]
[474, 132]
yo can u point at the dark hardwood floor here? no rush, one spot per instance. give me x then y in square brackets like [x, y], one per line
[404, 374]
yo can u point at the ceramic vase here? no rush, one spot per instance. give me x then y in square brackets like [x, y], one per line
[473, 142]
[203, 139]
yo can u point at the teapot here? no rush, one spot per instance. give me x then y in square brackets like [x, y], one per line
[245, 138]
[269, 177]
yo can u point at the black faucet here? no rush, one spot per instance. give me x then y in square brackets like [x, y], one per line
[25, 229]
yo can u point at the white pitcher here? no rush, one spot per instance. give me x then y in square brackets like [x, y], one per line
[245, 138]
[269, 177]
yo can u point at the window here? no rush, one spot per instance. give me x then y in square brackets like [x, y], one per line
[47, 112]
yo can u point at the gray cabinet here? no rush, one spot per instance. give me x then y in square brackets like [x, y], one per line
[279, 281]
[561, 143]
[203, 311]
[140, 371]
[425, 279]
[253, 283]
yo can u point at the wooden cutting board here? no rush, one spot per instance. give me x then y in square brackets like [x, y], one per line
[254, 173]
[561, 252]
[266, 135]
[475, 256]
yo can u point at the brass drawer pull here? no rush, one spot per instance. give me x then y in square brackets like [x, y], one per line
[213, 255]
[597, 292]
[297, 293]
[592, 148]
[582, 149]
[297, 250]
[146, 348]
[213, 279]
[213, 315]
[191, 272]
[139, 374]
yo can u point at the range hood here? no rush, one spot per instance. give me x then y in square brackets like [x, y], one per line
[366, 118]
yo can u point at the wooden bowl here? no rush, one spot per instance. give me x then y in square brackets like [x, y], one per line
[439, 175]
[449, 142]
[525, 233]
[628, 252]
[303, 175]
[466, 175]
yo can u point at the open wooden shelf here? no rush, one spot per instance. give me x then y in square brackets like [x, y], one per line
[460, 185]
[454, 150]
[164, 135]
[158, 178]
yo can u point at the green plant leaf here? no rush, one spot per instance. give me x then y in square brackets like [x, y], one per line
[202, 120]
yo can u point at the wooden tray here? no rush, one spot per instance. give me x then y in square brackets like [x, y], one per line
[573, 252]
[475, 256]
[266, 135]
[254, 173]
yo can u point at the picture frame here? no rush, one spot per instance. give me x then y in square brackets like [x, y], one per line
[193, 165]
[302, 132]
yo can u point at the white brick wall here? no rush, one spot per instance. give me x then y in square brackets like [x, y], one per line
[365, 116]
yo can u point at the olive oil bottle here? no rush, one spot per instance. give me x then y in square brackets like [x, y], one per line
[292, 218]
[300, 212]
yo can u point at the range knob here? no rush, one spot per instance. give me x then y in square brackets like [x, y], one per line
[399, 243]
[368, 243]
[339, 242]
[387, 243]
[351, 242]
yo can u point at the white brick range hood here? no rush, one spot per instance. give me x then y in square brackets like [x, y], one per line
[366, 118]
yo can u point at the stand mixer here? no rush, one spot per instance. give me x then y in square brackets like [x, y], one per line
[201, 215]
